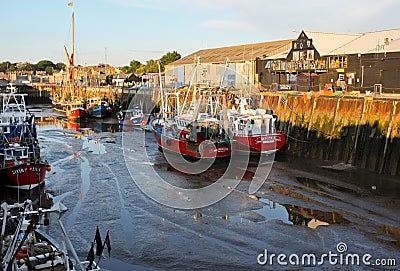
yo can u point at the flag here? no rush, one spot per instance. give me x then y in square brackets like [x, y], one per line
[70, 4]
[90, 257]
[99, 243]
[108, 244]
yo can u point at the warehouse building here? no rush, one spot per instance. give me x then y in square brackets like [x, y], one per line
[314, 61]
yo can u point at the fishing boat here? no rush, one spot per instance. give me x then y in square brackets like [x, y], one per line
[72, 104]
[133, 116]
[98, 108]
[198, 134]
[197, 130]
[21, 165]
[146, 122]
[253, 130]
[20, 169]
[25, 246]
[75, 110]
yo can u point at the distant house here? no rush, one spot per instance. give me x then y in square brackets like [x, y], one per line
[3, 83]
[132, 78]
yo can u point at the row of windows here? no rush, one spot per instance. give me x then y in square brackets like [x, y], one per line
[332, 63]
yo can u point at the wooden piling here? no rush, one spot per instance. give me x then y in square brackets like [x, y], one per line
[389, 130]
[313, 101]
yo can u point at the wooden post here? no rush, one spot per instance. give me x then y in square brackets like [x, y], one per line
[354, 152]
[389, 131]
[333, 126]
[314, 102]
[290, 115]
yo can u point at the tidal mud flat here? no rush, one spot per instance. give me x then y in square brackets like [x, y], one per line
[304, 207]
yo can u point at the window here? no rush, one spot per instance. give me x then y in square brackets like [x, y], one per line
[296, 56]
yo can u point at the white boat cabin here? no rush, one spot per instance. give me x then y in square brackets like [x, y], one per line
[245, 122]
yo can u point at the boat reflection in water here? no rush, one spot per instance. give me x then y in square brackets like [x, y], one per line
[97, 126]
[313, 218]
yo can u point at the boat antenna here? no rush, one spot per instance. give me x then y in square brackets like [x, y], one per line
[161, 89]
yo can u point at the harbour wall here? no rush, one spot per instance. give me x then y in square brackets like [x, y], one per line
[42, 93]
[360, 130]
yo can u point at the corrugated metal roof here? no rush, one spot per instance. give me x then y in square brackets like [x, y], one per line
[280, 55]
[370, 42]
[394, 46]
[236, 53]
[325, 42]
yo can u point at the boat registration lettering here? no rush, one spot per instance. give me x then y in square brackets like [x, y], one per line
[270, 139]
[35, 169]
[18, 171]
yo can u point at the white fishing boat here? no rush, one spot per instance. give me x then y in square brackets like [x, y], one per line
[253, 131]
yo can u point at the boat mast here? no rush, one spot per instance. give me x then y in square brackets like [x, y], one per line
[193, 101]
[73, 47]
[70, 58]
[161, 90]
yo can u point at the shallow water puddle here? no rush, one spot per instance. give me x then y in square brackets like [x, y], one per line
[292, 214]
[93, 145]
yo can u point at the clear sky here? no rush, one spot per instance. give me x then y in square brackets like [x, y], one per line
[118, 31]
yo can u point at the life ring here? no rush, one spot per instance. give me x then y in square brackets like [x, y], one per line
[168, 142]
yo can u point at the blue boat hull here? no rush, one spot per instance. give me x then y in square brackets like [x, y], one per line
[99, 111]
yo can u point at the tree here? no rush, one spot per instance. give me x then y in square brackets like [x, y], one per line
[61, 66]
[4, 66]
[169, 58]
[126, 69]
[43, 64]
[134, 65]
[27, 67]
[49, 70]
[151, 66]
[13, 67]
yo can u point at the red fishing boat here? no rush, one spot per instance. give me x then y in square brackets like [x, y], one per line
[73, 105]
[253, 131]
[199, 140]
[76, 110]
[20, 163]
[19, 168]
[196, 135]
